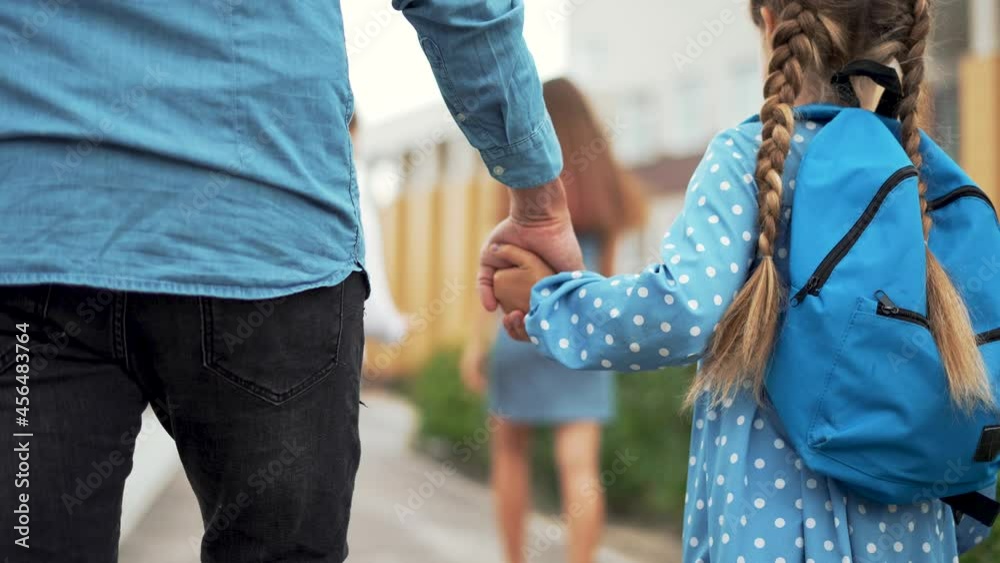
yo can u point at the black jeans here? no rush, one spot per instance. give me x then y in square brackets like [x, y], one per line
[261, 398]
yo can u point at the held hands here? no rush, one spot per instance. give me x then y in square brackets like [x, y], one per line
[539, 223]
[539, 226]
[512, 286]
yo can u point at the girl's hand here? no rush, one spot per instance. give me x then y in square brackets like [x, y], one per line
[512, 286]
[539, 221]
[471, 367]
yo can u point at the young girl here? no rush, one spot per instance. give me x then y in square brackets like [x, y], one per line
[718, 295]
[527, 389]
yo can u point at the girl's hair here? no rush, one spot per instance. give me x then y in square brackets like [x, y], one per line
[603, 198]
[812, 40]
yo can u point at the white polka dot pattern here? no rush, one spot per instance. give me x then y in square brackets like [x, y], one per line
[689, 291]
[758, 502]
[750, 497]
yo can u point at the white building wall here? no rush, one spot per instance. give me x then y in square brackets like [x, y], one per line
[675, 71]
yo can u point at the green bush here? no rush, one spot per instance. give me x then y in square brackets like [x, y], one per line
[989, 552]
[649, 426]
[452, 423]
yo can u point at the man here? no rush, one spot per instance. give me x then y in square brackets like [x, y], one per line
[180, 228]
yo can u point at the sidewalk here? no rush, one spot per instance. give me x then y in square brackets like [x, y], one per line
[407, 509]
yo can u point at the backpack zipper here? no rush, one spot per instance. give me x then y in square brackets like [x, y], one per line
[988, 337]
[826, 267]
[949, 198]
[956, 194]
[887, 308]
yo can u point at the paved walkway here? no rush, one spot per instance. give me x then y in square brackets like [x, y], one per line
[407, 509]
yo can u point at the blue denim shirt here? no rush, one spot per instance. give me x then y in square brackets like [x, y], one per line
[201, 147]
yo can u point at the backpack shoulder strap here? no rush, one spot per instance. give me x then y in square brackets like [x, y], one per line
[853, 144]
[821, 113]
[975, 505]
[940, 172]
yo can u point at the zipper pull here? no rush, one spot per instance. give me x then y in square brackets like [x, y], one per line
[812, 286]
[886, 303]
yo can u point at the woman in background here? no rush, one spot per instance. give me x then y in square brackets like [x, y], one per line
[527, 390]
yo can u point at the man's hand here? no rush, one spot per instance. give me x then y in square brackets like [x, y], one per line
[539, 222]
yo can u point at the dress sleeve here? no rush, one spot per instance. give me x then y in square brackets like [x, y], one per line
[665, 314]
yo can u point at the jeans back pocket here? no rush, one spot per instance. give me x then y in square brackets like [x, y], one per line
[274, 348]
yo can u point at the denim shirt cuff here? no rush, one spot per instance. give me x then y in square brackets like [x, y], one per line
[528, 163]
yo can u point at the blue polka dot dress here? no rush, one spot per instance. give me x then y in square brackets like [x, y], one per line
[750, 498]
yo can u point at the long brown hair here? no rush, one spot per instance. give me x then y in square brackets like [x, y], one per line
[603, 198]
[812, 39]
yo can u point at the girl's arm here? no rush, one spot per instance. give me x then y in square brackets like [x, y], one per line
[666, 314]
[472, 365]
[609, 253]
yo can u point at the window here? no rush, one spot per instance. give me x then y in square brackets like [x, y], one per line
[637, 137]
[691, 124]
[951, 43]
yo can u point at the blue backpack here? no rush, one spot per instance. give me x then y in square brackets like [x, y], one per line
[855, 378]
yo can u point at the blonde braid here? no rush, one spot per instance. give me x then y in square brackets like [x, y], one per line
[948, 315]
[742, 344]
[912, 64]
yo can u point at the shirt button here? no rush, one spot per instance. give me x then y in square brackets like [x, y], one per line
[499, 170]
[460, 117]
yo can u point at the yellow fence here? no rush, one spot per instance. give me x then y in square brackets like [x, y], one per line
[980, 125]
[432, 243]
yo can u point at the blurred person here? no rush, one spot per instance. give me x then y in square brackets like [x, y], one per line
[719, 294]
[181, 228]
[383, 321]
[528, 390]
